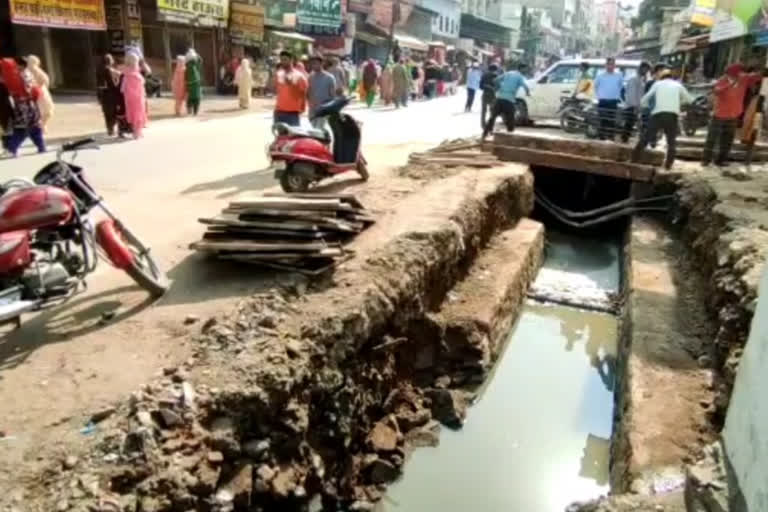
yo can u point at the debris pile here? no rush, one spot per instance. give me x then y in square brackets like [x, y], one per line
[455, 153]
[298, 232]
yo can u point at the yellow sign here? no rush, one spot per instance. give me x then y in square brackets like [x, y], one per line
[704, 12]
[80, 14]
[197, 12]
[246, 22]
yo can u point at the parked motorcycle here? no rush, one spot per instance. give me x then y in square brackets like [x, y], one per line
[572, 113]
[49, 243]
[303, 156]
[152, 86]
[696, 115]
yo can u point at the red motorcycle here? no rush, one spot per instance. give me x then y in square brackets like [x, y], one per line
[48, 242]
[303, 156]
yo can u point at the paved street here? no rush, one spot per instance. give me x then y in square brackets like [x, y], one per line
[64, 362]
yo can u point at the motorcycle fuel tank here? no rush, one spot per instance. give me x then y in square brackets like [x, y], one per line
[35, 207]
[14, 252]
[302, 148]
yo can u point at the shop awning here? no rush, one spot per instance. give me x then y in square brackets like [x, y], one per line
[370, 38]
[293, 35]
[411, 43]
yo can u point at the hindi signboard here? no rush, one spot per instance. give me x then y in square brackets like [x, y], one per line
[208, 13]
[76, 14]
[319, 13]
[246, 22]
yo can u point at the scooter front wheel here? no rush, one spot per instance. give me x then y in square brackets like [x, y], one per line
[296, 178]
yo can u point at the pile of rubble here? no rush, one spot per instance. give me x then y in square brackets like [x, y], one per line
[181, 445]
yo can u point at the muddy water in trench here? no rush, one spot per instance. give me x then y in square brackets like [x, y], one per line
[538, 436]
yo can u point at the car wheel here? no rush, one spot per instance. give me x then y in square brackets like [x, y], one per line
[521, 113]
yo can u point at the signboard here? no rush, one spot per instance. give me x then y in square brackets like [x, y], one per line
[736, 18]
[77, 14]
[207, 13]
[703, 12]
[382, 13]
[276, 12]
[319, 13]
[246, 22]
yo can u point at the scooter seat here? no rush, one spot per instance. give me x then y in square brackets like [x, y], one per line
[299, 131]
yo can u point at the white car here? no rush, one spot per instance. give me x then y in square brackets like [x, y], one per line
[559, 80]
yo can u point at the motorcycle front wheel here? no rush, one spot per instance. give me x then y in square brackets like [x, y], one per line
[568, 121]
[297, 177]
[144, 270]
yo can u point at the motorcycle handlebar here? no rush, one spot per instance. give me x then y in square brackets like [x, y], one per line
[79, 144]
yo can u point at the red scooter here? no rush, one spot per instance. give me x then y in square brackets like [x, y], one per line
[48, 242]
[303, 156]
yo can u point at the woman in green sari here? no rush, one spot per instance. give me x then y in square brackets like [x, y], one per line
[194, 82]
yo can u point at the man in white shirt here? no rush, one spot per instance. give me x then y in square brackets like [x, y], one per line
[668, 96]
[473, 84]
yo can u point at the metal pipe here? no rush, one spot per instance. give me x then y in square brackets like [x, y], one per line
[620, 204]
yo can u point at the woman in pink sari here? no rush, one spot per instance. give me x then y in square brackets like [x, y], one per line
[135, 97]
[179, 83]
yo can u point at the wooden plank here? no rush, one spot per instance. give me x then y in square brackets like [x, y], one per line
[267, 235]
[455, 162]
[289, 203]
[699, 143]
[626, 170]
[312, 271]
[344, 198]
[603, 150]
[325, 253]
[294, 225]
[239, 245]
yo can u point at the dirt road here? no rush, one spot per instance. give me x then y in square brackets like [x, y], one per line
[66, 363]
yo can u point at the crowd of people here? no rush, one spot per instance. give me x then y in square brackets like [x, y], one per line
[26, 105]
[657, 97]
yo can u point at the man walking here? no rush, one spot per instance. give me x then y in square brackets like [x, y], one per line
[506, 98]
[290, 87]
[474, 76]
[339, 74]
[668, 96]
[608, 88]
[729, 91]
[632, 97]
[488, 86]
[321, 89]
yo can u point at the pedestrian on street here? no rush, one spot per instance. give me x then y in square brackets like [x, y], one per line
[368, 82]
[45, 103]
[632, 97]
[179, 84]
[110, 96]
[608, 89]
[386, 85]
[24, 96]
[488, 86]
[321, 89]
[474, 75]
[730, 91]
[668, 96]
[244, 82]
[6, 115]
[506, 98]
[339, 74]
[194, 81]
[401, 84]
[290, 88]
[135, 96]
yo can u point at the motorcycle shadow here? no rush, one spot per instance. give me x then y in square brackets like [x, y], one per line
[77, 317]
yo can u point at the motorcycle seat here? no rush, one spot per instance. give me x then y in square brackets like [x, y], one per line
[299, 131]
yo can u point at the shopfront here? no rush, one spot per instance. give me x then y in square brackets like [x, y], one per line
[246, 29]
[171, 27]
[68, 37]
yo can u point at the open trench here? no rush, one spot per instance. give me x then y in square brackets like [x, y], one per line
[543, 350]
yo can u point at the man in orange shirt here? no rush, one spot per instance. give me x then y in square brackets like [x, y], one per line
[291, 87]
[729, 92]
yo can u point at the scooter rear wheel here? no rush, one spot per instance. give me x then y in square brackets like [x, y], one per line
[296, 178]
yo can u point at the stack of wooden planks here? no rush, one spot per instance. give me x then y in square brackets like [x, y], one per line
[298, 232]
[455, 153]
